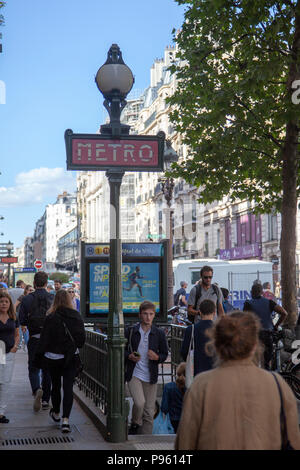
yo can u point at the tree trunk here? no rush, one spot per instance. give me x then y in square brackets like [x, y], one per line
[288, 224]
[289, 185]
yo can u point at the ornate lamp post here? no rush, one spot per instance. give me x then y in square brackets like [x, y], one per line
[115, 80]
[167, 185]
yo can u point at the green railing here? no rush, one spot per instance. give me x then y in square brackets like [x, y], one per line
[94, 377]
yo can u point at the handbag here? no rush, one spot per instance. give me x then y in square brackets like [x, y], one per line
[189, 367]
[285, 443]
[77, 358]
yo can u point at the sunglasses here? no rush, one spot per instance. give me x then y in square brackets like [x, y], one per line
[71, 291]
[207, 277]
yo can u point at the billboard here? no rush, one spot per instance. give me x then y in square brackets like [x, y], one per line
[24, 274]
[140, 281]
[144, 270]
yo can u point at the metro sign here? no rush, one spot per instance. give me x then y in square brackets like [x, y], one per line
[8, 259]
[102, 152]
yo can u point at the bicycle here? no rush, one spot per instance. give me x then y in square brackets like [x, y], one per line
[284, 366]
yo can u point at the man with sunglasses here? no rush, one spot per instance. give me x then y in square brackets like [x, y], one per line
[205, 289]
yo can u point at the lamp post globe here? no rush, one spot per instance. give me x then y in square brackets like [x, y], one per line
[115, 80]
[114, 77]
[9, 246]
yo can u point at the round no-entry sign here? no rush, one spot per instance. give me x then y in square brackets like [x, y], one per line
[38, 264]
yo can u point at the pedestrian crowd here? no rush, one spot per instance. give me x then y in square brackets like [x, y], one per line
[224, 395]
[52, 330]
[233, 400]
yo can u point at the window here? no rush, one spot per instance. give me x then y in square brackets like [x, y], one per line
[206, 244]
[272, 226]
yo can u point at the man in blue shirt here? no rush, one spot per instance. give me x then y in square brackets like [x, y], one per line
[264, 308]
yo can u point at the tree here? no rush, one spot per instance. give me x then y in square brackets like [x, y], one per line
[2, 4]
[64, 278]
[236, 108]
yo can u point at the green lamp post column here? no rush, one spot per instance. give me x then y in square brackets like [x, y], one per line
[114, 79]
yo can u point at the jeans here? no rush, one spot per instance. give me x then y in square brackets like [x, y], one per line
[265, 337]
[35, 374]
[24, 336]
[6, 372]
[58, 372]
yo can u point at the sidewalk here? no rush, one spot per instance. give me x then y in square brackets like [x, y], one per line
[28, 430]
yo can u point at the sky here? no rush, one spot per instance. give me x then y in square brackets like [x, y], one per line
[52, 51]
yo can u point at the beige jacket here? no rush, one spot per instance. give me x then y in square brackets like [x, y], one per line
[236, 407]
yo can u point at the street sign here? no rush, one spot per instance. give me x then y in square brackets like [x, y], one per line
[8, 259]
[38, 264]
[102, 152]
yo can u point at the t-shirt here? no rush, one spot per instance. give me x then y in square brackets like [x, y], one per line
[7, 333]
[202, 361]
[263, 308]
[181, 292]
[141, 370]
[205, 294]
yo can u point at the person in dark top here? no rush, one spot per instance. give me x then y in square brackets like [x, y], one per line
[63, 333]
[181, 295]
[202, 361]
[264, 308]
[9, 341]
[227, 306]
[172, 398]
[32, 311]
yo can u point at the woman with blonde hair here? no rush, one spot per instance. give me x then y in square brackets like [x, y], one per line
[9, 341]
[237, 405]
[173, 394]
[63, 333]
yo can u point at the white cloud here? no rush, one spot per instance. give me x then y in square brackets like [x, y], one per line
[36, 186]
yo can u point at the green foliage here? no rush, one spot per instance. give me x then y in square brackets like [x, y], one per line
[2, 4]
[64, 278]
[233, 99]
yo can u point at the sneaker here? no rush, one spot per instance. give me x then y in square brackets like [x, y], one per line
[4, 420]
[37, 403]
[134, 428]
[65, 427]
[51, 413]
[45, 405]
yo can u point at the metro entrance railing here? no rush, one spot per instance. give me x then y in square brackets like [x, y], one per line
[93, 380]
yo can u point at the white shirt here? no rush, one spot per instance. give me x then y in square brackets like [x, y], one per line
[141, 370]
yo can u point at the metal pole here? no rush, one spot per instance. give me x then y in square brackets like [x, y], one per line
[116, 416]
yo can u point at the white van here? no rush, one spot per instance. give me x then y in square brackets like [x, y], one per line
[236, 276]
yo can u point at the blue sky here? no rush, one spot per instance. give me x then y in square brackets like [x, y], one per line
[51, 53]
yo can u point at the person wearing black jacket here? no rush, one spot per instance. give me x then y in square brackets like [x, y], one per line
[62, 335]
[32, 314]
[146, 348]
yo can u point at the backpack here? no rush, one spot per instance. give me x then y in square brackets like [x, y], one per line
[37, 314]
[177, 297]
[197, 297]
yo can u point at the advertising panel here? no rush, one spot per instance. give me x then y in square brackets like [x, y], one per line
[144, 277]
[140, 281]
[24, 274]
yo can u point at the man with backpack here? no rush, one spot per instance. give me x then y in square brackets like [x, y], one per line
[202, 291]
[32, 315]
[180, 296]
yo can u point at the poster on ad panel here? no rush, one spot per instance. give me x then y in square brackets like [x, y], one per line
[140, 281]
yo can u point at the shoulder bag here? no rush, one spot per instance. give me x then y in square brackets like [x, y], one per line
[285, 443]
[189, 367]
